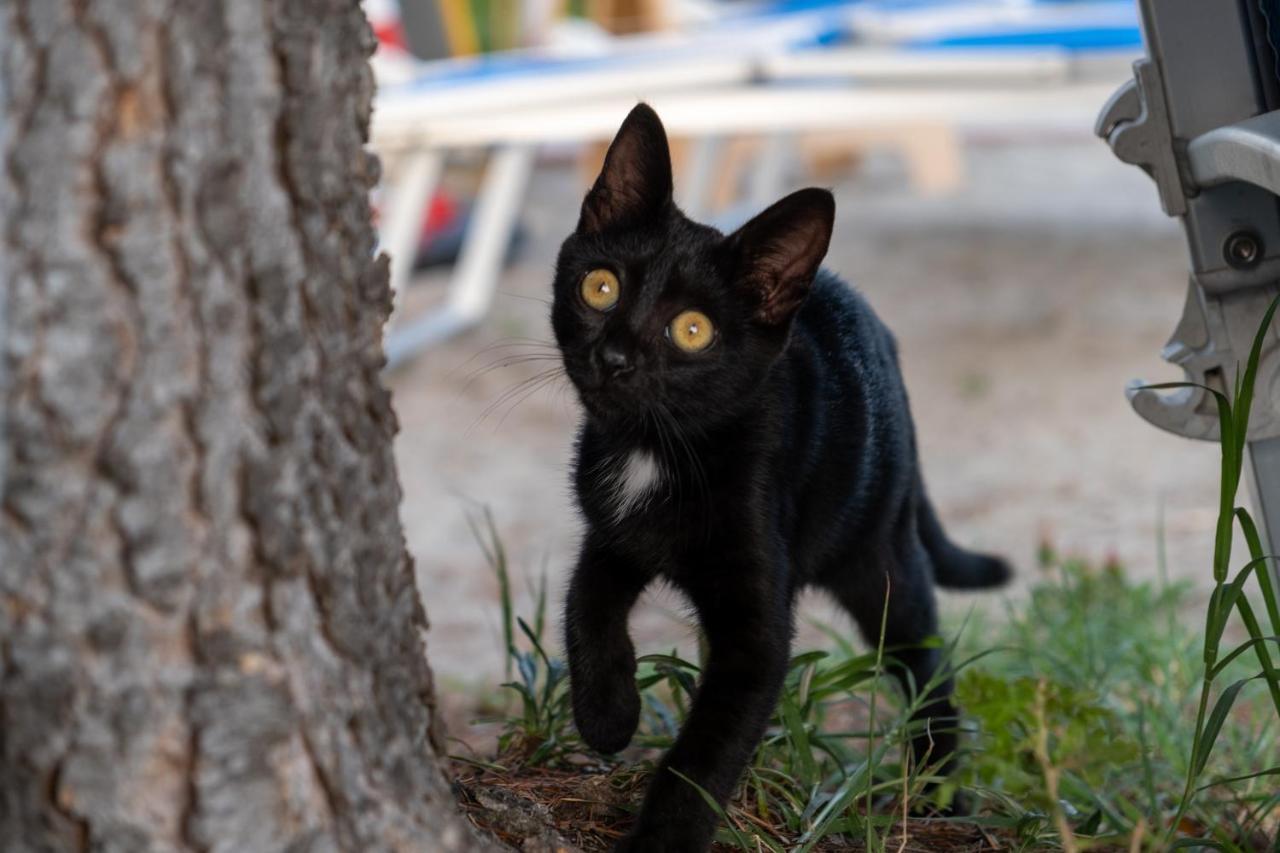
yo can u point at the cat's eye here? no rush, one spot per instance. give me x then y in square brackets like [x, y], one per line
[600, 289]
[691, 331]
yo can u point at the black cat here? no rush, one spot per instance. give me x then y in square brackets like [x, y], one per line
[746, 434]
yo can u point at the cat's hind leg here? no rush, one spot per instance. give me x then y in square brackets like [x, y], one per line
[899, 569]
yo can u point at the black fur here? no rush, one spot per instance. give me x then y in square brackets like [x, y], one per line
[787, 458]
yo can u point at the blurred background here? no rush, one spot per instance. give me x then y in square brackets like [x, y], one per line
[1027, 274]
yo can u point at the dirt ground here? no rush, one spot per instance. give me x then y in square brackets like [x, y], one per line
[1022, 305]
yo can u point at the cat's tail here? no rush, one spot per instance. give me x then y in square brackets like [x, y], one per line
[953, 566]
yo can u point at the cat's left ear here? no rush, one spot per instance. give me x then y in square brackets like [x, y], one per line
[635, 182]
[778, 252]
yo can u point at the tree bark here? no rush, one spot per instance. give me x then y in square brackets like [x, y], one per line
[210, 636]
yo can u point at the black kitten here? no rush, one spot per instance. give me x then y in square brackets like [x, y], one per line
[746, 434]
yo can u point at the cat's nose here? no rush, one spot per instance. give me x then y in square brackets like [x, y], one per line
[615, 361]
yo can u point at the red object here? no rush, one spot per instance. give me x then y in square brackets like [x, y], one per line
[441, 212]
[390, 34]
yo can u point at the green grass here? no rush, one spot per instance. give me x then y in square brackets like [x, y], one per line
[1091, 681]
[1103, 712]
[1108, 670]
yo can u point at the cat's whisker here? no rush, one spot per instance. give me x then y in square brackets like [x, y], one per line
[505, 348]
[668, 454]
[670, 441]
[704, 486]
[506, 361]
[522, 339]
[696, 468]
[531, 382]
[511, 395]
[684, 416]
[533, 344]
[533, 390]
[524, 296]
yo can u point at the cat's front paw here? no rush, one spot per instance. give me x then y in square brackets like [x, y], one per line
[607, 715]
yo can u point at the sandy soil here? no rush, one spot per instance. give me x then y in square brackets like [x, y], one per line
[1022, 306]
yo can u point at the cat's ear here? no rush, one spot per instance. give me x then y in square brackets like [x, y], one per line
[635, 182]
[778, 252]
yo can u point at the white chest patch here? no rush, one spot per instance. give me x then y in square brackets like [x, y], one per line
[632, 480]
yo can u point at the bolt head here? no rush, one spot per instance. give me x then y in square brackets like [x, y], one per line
[1242, 250]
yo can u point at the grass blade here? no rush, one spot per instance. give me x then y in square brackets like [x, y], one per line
[1213, 724]
[1269, 673]
[798, 735]
[1231, 780]
[1244, 399]
[1269, 596]
[738, 838]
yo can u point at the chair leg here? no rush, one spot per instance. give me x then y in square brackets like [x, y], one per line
[479, 265]
[400, 230]
[695, 188]
[489, 233]
[933, 159]
[768, 176]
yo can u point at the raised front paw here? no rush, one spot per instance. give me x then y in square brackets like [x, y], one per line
[606, 712]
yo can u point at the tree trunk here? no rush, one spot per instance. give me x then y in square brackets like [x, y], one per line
[210, 636]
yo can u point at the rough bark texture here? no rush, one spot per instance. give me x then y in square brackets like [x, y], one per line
[210, 636]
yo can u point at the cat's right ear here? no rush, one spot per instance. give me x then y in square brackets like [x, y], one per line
[635, 183]
[778, 252]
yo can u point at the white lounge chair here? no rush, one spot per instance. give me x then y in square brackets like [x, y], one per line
[770, 74]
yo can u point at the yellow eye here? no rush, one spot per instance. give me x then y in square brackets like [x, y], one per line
[691, 331]
[600, 289]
